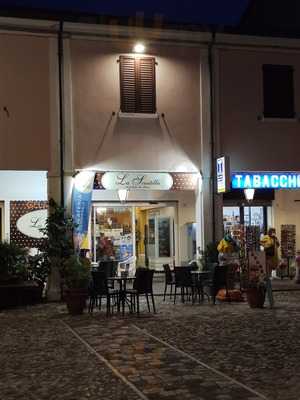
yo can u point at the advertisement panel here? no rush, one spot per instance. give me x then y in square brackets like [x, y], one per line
[81, 207]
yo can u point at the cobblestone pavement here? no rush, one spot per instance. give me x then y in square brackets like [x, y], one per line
[203, 352]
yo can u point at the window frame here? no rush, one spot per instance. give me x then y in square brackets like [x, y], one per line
[272, 105]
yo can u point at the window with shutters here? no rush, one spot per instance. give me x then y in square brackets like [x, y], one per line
[137, 85]
[278, 88]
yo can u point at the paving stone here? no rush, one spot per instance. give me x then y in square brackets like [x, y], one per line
[41, 359]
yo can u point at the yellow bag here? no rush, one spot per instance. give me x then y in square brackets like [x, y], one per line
[225, 247]
[266, 241]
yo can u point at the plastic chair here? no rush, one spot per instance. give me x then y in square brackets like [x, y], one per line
[98, 289]
[143, 285]
[218, 281]
[184, 281]
[169, 280]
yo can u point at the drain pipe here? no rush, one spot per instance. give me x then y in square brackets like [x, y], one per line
[61, 110]
[212, 128]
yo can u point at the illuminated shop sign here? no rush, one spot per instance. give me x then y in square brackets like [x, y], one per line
[265, 180]
[140, 180]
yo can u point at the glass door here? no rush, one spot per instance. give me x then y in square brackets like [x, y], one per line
[254, 216]
[1, 222]
[113, 233]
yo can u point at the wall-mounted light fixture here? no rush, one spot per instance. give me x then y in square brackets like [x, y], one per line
[139, 48]
[123, 193]
[75, 173]
[249, 194]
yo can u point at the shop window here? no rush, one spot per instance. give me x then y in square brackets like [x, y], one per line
[137, 85]
[231, 218]
[278, 89]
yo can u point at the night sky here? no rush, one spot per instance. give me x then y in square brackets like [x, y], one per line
[227, 12]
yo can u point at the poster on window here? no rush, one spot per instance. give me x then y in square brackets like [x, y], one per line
[164, 245]
[126, 248]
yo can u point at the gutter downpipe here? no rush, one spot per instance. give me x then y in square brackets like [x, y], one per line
[212, 128]
[61, 110]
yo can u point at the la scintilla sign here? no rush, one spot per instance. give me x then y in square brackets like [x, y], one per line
[265, 180]
[174, 181]
[133, 181]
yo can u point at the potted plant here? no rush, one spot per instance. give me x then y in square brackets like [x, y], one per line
[76, 271]
[13, 263]
[256, 294]
[58, 254]
[38, 271]
[57, 247]
[208, 258]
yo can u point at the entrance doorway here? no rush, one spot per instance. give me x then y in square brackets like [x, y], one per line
[1, 221]
[134, 234]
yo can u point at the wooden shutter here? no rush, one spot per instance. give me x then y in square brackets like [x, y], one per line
[128, 84]
[137, 84]
[146, 81]
[278, 85]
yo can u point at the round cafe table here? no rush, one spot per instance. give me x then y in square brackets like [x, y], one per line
[122, 299]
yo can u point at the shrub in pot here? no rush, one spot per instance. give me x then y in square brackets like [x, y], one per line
[76, 272]
[256, 294]
[57, 247]
[13, 263]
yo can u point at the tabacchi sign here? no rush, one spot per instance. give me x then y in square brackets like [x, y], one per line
[134, 180]
[265, 180]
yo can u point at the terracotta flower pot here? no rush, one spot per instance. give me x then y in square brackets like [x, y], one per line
[76, 300]
[256, 297]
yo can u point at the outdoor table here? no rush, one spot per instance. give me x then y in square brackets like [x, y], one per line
[200, 276]
[122, 300]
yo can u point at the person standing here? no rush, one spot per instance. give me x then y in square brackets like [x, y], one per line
[270, 244]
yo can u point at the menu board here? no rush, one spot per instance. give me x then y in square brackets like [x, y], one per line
[164, 237]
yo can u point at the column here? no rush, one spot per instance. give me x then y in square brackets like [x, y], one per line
[54, 180]
[206, 150]
[68, 126]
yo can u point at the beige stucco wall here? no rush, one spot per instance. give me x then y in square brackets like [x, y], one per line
[250, 143]
[111, 143]
[287, 211]
[24, 72]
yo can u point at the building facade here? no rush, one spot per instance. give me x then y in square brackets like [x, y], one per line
[80, 97]
[91, 103]
[257, 114]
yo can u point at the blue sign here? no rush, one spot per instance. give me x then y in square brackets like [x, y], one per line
[81, 206]
[265, 180]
